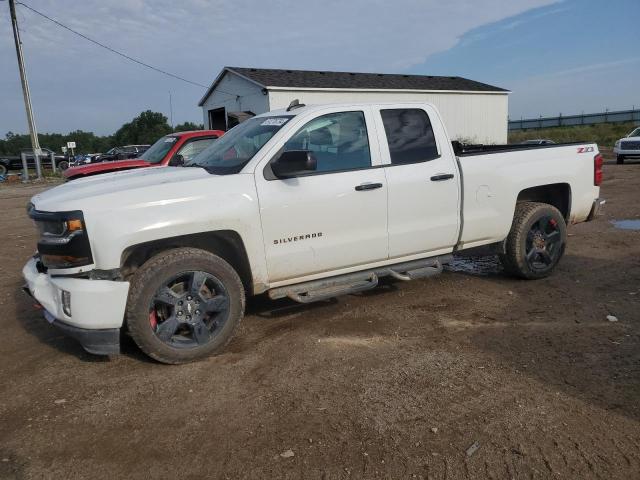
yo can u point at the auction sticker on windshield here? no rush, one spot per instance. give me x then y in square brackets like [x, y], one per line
[275, 122]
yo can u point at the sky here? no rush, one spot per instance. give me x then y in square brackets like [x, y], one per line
[556, 56]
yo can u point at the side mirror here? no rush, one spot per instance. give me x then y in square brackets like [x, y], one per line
[176, 161]
[293, 163]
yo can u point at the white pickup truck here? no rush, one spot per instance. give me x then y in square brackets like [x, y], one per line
[308, 203]
[628, 146]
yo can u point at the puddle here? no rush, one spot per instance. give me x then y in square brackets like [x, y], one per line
[486, 265]
[627, 224]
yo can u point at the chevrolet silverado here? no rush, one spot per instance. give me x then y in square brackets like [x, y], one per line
[307, 203]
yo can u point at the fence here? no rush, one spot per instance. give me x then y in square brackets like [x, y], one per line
[619, 116]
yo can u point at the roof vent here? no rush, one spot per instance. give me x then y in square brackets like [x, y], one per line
[295, 104]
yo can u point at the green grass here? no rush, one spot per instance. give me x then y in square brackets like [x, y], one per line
[604, 134]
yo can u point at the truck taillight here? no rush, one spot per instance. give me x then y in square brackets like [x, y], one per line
[597, 170]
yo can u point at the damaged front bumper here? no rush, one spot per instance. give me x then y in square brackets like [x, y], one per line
[91, 311]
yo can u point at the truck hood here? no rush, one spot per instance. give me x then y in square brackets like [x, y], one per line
[117, 188]
[630, 139]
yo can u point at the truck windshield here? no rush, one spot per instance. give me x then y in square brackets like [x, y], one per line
[232, 152]
[156, 152]
[635, 133]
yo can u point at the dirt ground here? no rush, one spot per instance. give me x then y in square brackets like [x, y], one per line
[400, 382]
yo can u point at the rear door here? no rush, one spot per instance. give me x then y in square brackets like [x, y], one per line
[335, 217]
[423, 185]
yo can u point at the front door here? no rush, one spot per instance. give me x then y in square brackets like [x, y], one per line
[333, 218]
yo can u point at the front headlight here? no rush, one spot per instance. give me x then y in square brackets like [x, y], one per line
[617, 143]
[63, 241]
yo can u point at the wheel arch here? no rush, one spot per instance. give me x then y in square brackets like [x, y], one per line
[227, 244]
[556, 194]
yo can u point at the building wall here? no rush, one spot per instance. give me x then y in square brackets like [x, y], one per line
[246, 96]
[473, 117]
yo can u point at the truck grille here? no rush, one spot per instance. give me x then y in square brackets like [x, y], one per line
[630, 145]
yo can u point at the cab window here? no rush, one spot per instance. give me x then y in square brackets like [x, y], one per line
[338, 141]
[410, 135]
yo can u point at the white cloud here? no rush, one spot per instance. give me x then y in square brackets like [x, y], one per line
[195, 38]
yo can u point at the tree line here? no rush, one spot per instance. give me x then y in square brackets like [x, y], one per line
[144, 129]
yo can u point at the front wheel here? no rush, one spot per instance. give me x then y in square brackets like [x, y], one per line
[536, 241]
[620, 159]
[184, 304]
[3, 169]
[63, 165]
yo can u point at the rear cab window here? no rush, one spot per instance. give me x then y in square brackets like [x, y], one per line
[409, 135]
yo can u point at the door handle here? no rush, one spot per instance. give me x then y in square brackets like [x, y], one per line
[442, 176]
[368, 186]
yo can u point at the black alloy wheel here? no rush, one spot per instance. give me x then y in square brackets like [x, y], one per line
[536, 241]
[544, 244]
[189, 309]
[184, 304]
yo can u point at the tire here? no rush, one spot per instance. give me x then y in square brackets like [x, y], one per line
[63, 165]
[3, 169]
[536, 241]
[620, 159]
[166, 322]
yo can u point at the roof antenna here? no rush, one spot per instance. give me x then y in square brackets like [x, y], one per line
[295, 104]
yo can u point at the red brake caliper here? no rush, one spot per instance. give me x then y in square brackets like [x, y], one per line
[153, 320]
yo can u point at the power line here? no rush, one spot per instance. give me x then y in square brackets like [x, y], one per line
[124, 55]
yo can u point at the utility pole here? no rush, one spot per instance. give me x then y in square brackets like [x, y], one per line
[170, 109]
[25, 85]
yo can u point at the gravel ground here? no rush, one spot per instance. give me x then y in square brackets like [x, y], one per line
[468, 375]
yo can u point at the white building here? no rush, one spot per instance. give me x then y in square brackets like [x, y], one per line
[472, 111]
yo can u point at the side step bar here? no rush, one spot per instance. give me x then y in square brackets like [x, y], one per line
[326, 288]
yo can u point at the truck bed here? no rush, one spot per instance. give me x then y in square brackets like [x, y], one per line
[493, 176]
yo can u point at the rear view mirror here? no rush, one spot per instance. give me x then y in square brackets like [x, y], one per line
[293, 163]
[176, 161]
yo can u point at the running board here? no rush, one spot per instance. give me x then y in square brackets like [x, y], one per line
[349, 283]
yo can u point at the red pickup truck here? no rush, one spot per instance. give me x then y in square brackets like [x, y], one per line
[168, 150]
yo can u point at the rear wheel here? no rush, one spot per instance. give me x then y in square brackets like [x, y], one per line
[63, 165]
[536, 241]
[3, 169]
[184, 304]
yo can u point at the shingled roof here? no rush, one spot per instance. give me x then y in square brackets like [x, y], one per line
[270, 77]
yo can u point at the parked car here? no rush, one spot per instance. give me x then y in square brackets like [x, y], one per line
[14, 162]
[628, 146]
[120, 153]
[538, 141]
[306, 203]
[83, 159]
[174, 147]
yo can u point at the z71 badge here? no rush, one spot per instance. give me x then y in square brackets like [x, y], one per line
[585, 149]
[297, 238]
